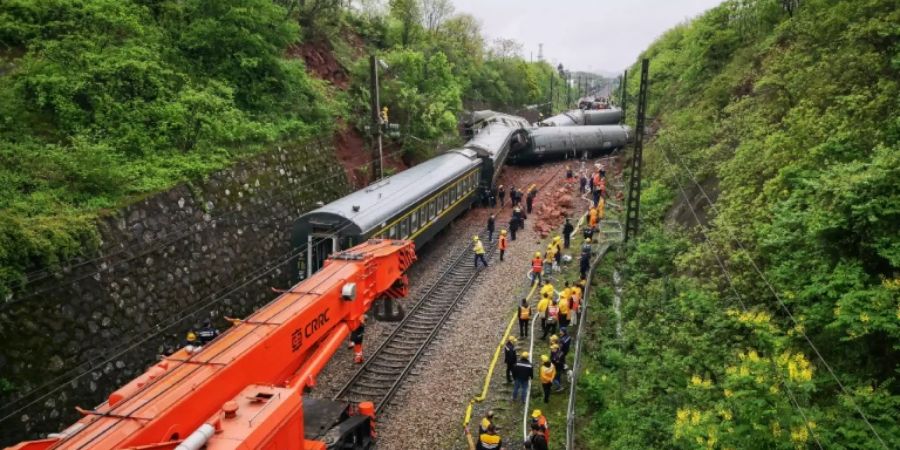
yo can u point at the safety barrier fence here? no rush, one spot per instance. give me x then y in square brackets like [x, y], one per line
[582, 326]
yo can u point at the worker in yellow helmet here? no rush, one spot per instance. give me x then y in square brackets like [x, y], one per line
[478, 248]
[486, 421]
[547, 289]
[548, 374]
[522, 374]
[192, 338]
[542, 306]
[537, 418]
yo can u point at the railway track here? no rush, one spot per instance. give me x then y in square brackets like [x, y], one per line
[385, 369]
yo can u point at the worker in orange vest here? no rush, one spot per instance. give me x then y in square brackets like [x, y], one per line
[524, 317]
[592, 218]
[596, 186]
[501, 243]
[537, 418]
[537, 267]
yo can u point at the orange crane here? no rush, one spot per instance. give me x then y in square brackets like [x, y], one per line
[244, 389]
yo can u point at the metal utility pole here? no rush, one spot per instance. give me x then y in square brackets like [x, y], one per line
[378, 163]
[568, 89]
[633, 213]
[624, 93]
[550, 108]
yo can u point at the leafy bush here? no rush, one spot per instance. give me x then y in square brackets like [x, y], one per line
[793, 115]
[114, 98]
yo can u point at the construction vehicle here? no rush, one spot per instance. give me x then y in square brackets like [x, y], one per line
[245, 388]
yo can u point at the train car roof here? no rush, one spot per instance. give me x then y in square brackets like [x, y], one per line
[490, 139]
[571, 117]
[369, 208]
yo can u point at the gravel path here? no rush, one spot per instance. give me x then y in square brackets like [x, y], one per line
[427, 412]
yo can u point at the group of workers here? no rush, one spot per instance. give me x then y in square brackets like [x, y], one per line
[489, 433]
[558, 311]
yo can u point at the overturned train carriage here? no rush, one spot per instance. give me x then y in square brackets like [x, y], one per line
[578, 117]
[414, 204]
[572, 142]
[494, 143]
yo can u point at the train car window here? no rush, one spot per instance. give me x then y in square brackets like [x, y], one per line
[432, 211]
[446, 200]
[392, 233]
[404, 228]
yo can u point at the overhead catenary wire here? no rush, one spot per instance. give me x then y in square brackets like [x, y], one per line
[784, 307]
[705, 234]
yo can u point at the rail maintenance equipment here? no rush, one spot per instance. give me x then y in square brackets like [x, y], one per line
[245, 388]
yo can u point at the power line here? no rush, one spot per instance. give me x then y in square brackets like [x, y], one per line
[782, 304]
[704, 231]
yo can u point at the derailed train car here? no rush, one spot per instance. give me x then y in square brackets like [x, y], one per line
[416, 203]
[572, 142]
[578, 117]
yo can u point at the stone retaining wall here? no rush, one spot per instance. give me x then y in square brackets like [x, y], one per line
[165, 264]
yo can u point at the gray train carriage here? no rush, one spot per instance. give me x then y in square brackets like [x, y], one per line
[413, 204]
[579, 117]
[572, 142]
[494, 143]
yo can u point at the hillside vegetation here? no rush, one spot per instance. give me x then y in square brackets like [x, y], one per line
[103, 102]
[786, 113]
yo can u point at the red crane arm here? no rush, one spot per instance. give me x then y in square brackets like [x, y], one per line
[244, 388]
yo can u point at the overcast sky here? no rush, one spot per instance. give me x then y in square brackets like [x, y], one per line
[595, 35]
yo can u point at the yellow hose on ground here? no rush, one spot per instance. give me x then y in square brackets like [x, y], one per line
[487, 378]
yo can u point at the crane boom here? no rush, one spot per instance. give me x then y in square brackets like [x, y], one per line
[244, 389]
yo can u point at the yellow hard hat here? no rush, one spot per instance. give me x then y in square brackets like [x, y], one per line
[537, 254]
[545, 358]
[513, 339]
[536, 413]
[475, 238]
[554, 347]
[557, 238]
[191, 337]
[554, 338]
[588, 240]
[523, 354]
[502, 231]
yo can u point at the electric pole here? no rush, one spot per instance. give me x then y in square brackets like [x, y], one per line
[633, 213]
[550, 108]
[624, 92]
[378, 163]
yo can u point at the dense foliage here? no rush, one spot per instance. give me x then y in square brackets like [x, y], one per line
[438, 64]
[791, 112]
[101, 100]
[105, 101]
